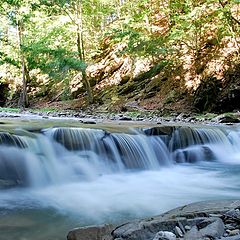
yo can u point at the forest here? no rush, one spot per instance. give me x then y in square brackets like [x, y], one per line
[168, 55]
[118, 110]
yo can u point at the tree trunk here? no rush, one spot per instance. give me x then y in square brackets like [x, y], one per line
[23, 100]
[81, 52]
[83, 70]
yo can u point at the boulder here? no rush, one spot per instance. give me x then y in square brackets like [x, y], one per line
[101, 232]
[195, 216]
[233, 214]
[212, 228]
[226, 119]
[197, 221]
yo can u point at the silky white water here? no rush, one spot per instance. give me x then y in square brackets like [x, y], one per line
[83, 177]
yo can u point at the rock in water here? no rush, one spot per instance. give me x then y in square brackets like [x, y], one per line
[164, 235]
[101, 232]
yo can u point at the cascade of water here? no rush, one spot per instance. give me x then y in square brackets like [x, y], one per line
[134, 151]
[228, 150]
[12, 140]
[60, 155]
[196, 144]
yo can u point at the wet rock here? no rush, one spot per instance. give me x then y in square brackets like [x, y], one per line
[7, 183]
[124, 118]
[89, 122]
[226, 119]
[101, 232]
[155, 131]
[164, 235]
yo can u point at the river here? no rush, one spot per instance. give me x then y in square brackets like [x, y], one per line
[54, 178]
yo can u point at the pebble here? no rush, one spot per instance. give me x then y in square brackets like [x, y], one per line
[230, 226]
[187, 228]
[233, 232]
[164, 235]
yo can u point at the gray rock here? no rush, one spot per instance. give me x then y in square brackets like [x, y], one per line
[187, 228]
[203, 209]
[210, 227]
[101, 232]
[230, 226]
[189, 215]
[233, 232]
[178, 231]
[164, 235]
[89, 122]
[237, 237]
[215, 215]
[193, 234]
[124, 118]
[233, 214]
[181, 227]
[214, 228]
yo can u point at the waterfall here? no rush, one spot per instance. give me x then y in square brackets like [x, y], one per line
[63, 154]
[55, 179]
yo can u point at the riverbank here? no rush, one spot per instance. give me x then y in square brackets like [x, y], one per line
[205, 220]
[91, 116]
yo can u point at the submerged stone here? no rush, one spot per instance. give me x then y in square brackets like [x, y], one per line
[100, 232]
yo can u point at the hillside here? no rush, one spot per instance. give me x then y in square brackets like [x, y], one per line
[180, 56]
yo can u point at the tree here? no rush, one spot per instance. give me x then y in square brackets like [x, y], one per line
[16, 13]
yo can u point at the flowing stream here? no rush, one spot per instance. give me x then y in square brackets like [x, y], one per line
[59, 178]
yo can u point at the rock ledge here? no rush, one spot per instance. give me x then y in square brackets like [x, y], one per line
[206, 220]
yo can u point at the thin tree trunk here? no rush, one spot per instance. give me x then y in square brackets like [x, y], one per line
[83, 69]
[23, 100]
[81, 52]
